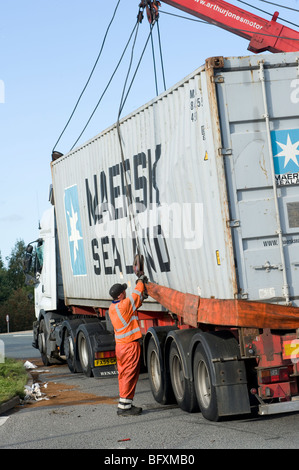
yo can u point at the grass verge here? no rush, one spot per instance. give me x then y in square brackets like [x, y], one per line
[13, 378]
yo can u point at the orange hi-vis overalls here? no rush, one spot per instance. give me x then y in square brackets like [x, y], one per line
[123, 315]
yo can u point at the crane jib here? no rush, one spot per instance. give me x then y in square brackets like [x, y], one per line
[263, 34]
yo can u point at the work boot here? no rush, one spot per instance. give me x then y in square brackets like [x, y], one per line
[133, 411]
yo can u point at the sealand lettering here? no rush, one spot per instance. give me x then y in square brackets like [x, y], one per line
[109, 207]
[109, 253]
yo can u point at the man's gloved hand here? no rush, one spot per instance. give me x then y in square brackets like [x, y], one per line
[142, 278]
[145, 294]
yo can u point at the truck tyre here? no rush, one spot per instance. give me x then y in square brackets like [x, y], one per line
[69, 350]
[205, 390]
[85, 355]
[42, 342]
[183, 388]
[159, 379]
[154, 371]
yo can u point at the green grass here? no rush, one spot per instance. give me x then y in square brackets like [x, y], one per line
[13, 378]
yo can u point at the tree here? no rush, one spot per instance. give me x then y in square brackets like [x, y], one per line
[15, 297]
[15, 272]
[20, 310]
[4, 283]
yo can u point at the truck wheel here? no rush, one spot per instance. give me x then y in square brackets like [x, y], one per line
[159, 379]
[205, 390]
[84, 351]
[154, 371]
[183, 388]
[69, 350]
[42, 342]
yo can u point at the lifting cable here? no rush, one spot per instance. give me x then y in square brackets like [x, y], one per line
[231, 29]
[107, 86]
[154, 61]
[129, 195]
[90, 75]
[161, 59]
[266, 12]
[279, 5]
[123, 98]
[161, 56]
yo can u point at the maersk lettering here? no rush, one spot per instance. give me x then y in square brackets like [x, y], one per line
[145, 187]
[108, 197]
[140, 181]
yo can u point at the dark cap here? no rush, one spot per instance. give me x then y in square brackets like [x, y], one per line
[116, 290]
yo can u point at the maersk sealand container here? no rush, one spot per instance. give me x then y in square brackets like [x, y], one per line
[203, 181]
[215, 180]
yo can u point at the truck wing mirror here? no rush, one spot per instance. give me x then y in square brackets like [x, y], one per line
[28, 258]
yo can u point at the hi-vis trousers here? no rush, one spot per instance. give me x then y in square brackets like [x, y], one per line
[128, 365]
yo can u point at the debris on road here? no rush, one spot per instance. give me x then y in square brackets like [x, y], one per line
[34, 393]
[29, 365]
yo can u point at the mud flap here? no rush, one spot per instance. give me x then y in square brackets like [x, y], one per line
[231, 388]
[228, 372]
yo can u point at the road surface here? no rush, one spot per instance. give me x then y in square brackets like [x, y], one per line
[18, 345]
[78, 412]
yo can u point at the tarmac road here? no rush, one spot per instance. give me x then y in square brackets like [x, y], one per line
[18, 345]
[80, 413]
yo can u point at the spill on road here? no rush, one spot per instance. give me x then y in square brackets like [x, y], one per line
[61, 394]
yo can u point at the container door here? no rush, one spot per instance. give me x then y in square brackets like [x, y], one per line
[260, 127]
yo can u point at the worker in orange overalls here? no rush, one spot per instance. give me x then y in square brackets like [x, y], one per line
[123, 315]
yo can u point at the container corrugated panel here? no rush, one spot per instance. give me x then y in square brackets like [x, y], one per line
[258, 101]
[173, 177]
[190, 157]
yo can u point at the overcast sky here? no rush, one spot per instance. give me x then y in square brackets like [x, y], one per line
[47, 51]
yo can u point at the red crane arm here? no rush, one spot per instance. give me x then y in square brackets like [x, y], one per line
[263, 34]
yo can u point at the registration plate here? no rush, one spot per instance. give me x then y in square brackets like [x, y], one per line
[105, 362]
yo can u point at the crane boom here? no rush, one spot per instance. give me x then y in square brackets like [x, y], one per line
[263, 35]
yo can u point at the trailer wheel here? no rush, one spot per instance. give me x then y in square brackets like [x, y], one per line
[205, 390]
[183, 388]
[159, 378]
[84, 351]
[154, 371]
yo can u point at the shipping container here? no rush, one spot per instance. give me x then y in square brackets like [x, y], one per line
[211, 168]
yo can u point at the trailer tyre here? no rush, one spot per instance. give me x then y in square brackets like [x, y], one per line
[84, 351]
[154, 371]
[183, 388]
[159, 380]
[205, 390]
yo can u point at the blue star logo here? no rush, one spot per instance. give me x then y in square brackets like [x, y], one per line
[74, 229]
[285, 147]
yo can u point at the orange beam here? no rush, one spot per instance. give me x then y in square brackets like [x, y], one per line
[237, 313]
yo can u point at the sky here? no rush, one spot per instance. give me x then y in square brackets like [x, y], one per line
[47, 51]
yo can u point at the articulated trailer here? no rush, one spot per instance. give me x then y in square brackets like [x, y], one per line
[203, 183]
